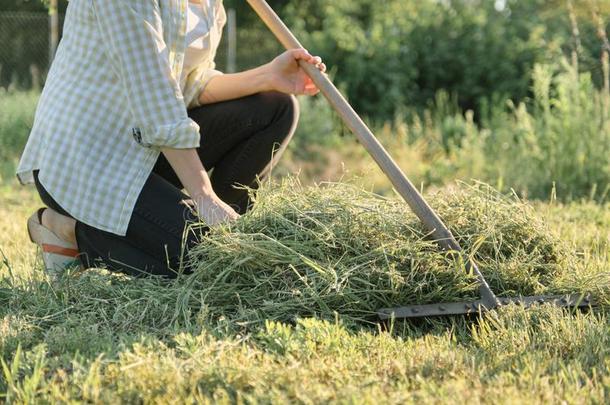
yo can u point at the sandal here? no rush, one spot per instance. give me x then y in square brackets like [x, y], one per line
[57, 254]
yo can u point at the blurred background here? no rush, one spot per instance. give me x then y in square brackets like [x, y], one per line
[515, 93]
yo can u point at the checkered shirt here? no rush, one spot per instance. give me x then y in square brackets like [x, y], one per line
[113, 97]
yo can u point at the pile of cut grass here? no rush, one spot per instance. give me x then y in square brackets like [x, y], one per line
[336, 249]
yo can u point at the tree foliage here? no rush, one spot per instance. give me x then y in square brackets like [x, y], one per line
[390, 53]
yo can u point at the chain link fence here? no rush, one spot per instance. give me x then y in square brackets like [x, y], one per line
[25, 43]
[24, 49]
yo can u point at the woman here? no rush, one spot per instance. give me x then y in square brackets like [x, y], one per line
[132, 113]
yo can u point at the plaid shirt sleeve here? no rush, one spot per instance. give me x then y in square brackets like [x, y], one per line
[196, 83]
[140, 57]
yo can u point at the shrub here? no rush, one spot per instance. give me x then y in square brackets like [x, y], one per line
[561, 141]
[557, 142]
[394, 53]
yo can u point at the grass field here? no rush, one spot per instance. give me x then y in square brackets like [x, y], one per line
[103, 338]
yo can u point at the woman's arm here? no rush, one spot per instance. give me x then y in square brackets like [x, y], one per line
[187, 165]
[135, 46]
[283, 74]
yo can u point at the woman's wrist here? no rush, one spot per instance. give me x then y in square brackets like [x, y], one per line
[235, 85]
[264, 78]
[202, 194]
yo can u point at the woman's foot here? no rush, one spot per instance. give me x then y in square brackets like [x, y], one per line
[60, 225]
[55, 235]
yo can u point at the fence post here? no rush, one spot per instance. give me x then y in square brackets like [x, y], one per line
[231, 41]
[53, 29]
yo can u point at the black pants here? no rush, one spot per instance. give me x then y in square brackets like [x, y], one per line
[241, 140]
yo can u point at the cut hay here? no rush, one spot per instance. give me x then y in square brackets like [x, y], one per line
[336, 249]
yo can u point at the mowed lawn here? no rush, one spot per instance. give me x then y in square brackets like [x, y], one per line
[99, 338]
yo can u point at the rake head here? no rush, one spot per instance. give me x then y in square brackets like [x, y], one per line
[481, 306]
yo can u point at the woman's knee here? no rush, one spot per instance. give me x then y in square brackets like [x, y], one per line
[282, 108]
[295, 111]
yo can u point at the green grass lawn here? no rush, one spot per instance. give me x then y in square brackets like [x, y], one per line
[103, 338]
[95, 337]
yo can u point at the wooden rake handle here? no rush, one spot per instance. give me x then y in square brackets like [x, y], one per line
[433, 224]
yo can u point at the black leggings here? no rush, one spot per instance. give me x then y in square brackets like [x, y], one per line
[240, 140]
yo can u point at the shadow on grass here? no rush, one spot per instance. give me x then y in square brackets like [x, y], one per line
[96, 312]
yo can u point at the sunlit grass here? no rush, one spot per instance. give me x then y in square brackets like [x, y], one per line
[97, 337]
[103, 338]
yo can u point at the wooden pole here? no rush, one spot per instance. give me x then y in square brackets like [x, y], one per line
[231, 41]
[53, 29]
[441, 234]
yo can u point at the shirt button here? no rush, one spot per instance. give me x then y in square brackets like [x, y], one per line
[137, 135]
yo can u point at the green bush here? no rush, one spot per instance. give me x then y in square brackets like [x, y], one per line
[394, 53]
[558, 142]
[562, 141]
[555, 142]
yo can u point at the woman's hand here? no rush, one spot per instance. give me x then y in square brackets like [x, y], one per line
[213, 210]
[286, 76]
[187, 165]
[282, 74]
